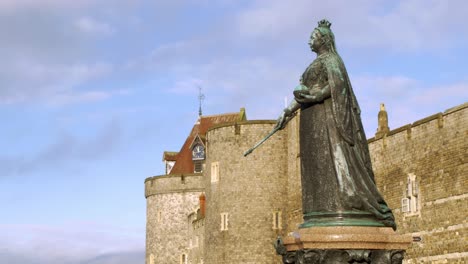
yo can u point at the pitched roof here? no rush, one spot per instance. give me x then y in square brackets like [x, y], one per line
[184, 163]
[170, 155]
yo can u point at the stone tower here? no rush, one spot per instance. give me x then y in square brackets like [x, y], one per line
[175, 201]
[246, 205]
[170, 201]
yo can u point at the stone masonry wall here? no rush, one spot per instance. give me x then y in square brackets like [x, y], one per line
[250, 189]
[169, 201]
[197, 249]
[435, 151]
[294, 187]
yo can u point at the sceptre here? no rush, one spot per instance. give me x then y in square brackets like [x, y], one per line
[276, 129]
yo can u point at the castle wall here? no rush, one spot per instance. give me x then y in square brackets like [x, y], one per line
[294, 187]
[170, 200]
[197, 243]
[249, 190]
[433, 151]
[431, 154]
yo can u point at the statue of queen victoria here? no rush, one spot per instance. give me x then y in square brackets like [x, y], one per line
[338, 187]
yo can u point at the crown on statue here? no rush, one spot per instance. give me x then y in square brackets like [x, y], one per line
[324, 23]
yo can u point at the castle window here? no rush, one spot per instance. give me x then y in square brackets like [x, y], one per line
[195, 242]
[410, 202]
[214, 172]
[277, 220]
[224, 221]
[151, 259]
[201, 261]
[159, 213]
[405, 205]
[183, 259]
[198, 167]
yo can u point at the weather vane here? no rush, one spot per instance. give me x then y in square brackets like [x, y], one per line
[201, 97]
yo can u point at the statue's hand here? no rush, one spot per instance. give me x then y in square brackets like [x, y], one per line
[305, 98]
[313, 95]
[300, 93]
[281, 122]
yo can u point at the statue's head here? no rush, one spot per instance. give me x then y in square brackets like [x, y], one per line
[322, 37]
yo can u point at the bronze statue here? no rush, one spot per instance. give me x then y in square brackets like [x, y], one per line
[338, 186]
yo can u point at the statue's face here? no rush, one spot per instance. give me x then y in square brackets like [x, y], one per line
[315, 40]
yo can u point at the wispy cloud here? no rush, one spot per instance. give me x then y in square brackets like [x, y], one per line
[252, 82]
[412, 25]
[12, 5]
[47, 54]
[65, 149]
[92, 26]
[71, 243]
[406, 99]
[243, 62]
[118, 258]
[27, 81]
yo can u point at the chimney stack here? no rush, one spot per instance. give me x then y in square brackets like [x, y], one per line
[202, 205]
[383, 128]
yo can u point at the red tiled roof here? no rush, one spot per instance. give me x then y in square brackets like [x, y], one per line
[184, 163]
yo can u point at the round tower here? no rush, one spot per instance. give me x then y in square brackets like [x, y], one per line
[170, 201]
[246, 197]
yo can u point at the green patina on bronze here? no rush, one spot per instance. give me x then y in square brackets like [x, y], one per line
[338, 187]
[347, 218]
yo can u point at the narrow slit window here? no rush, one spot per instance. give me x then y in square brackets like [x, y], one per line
[214, 172]
[224, 221]
[277, 220]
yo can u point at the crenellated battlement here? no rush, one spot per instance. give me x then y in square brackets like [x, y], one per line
[237, 125]
[427, 125]
[421, 170]
[174, 183]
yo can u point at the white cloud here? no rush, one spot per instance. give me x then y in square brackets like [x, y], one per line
[67, 148]
[118, 258]
[264, 77]
[71, 243]
[442, 94]
[91, 26]
[275, 18]
[385, 86]
[11, 5]
[406, 99]
[411, 25]
[44, 60]
[78, 97]
[186, 86]
[31, 81]
[231, 83]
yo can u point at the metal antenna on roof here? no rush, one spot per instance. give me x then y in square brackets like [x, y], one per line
[201, 97]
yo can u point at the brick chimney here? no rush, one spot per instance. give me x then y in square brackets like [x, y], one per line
[202, 205]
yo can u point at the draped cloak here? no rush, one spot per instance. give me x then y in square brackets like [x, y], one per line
[337, 177]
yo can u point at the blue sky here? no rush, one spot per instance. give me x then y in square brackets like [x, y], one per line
[92, 93]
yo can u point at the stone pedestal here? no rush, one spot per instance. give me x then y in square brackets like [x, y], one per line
[344, 244]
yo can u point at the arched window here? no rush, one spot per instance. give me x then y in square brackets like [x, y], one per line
[183, 259]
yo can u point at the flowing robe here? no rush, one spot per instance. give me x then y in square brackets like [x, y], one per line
[337, 178]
